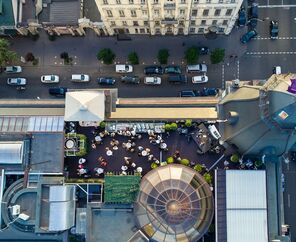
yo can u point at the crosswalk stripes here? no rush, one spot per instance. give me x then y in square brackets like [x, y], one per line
[272, 53]
[279, 38]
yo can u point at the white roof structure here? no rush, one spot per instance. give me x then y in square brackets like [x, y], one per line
[11, 152]
[61, 207]
[85, 106]
[246, 206]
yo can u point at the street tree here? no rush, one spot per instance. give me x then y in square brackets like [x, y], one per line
[217, 55]
[163, 55]
[29, 57]
[133, 58]
[6, 55]
[106, 55]
[191, 55]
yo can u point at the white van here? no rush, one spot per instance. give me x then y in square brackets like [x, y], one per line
[197, 68]
[123, 68]
[80, 78]
[152, 80]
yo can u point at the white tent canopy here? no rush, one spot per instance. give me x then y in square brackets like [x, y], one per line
[85, 106]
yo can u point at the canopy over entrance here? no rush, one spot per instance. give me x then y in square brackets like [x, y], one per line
[85, 106]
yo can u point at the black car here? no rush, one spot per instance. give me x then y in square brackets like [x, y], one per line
[177, 79]
[274, 29]
[242, 17]
[203, 50]
[130, 79]
[172, 70]
[57, 91]
[106, 81]
[253, 15]
[207, 91]
[151, 70]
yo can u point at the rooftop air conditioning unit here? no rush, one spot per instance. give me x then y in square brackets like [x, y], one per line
[16, 209]
[24, 217]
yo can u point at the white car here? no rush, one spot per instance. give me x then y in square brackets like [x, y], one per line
[200, 79]
[17, 81]
[50, 79]
[80, 78]
[13, 69]
[123, 68]
[152, 80]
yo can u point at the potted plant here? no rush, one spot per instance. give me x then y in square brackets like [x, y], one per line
[185, 162]
[154, 165]
[170, 160]
[208, 177]
[198, 168]
[234, 158]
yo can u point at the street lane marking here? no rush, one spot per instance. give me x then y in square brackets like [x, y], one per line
[272, 53]
[237, 69]
[279, 38]
[223, 77]
[277, 6]
[289, 201]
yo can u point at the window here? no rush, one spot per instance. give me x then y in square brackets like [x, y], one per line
[203, 22]
[155, 1]
[208, 1]
[195, 1]
[183, 1]
[156, 12]
[182, 11]
[170, 12]
[214, 22]
[143, 1]
[146, 23]
[221, 30]
[127, 31]
[192, 22]
[225, 22]
[131, 1]
[136, 30]
[112, 23]
[109, 13]
[142, 31]
[135, 23]
[148, 30]
[228, 12]
[192, 30]
[121, 13]
[144, 12]
[194, 12]
[181, 23]
[205, 12]
[217, 12]
[133, 13]
[157, 23]
[118, 2]
[105, 2]
[220, 1]
[201, 30]
[124, 23]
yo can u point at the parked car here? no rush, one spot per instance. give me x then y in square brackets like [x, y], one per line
[17, 81]
[172, 70]
[57, 91]
[151, 70]
[200, 68]
[208, 91]
[200, 79]
[188, 93]
[13, 69]
[50, 79]
[254, 15]
[248, 36]
[106, 81]
[277, 70]
[203, 50]
[123, 68]
[242, 17]
[80, 78]
[152, 80]
[130, 79]
[177, 79]
[274, 29]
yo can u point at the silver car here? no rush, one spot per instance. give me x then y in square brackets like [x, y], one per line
[13, 69]
[17, 81]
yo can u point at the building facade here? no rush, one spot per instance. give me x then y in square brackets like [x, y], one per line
[168, 17]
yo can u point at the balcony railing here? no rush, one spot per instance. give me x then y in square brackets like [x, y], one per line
[169, 21]
[169, 6]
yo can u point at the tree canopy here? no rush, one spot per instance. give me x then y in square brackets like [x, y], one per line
[106, 55]
[6, 55]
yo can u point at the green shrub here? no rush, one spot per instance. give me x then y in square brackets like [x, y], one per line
[29, 57]
[106, 55]
[154, 165]
[217, 55]
[52, 37]
[64, 55]
[174, 126]
[170, 160]
[234, 158]
[133, 58]
[102, 124]
[167, 127]
[191, 55]
[198, 168]
[258, 163]
[208, 177]
[185, 162]
[35, 62]
[163, 55]
[188, 123]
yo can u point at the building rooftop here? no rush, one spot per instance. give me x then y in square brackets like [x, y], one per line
[6, 13]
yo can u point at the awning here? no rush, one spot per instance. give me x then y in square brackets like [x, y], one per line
[11, 152]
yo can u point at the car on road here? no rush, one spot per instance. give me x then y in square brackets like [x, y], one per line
[242, 17]
[106, 81]
[177, 79]
[151, 70]
[248, 36]
[208, 91]
[123, 68]
[203, 50]
[274, 29]
[130, 79]
[50, 79]
[277, 70]
[200, 79]
[58, 91]
[200, 68]
[12, 69]
[17, 81]
[152, 80]
[253, 15]
[188, 93]
[172, 70]
[80, 78]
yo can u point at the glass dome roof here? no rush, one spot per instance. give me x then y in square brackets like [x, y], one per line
[174, 204]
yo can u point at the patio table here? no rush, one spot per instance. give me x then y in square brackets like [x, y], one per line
[99, 171]
[163, 146]
[109, 153]
[98, 138]
[139, 169]
[128, 145]
[144, 153]
[124, 168]
[81, 161]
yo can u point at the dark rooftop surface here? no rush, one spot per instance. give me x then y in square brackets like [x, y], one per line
[91, 11]
[6, 16]
[47, 152]
[28, 12]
